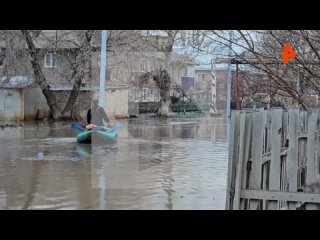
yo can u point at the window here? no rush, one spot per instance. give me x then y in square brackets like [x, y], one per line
[201, 77]
[151, 95]
[145, 94]
[145, 66]
[50, 60]
[141, 66]
[2, 55]
[108, 77]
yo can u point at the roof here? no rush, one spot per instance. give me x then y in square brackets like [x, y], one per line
[16, 81]
[175, 57]
[183, 58]
[67, 39]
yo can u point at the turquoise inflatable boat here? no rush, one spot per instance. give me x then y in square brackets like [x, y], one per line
[101, 135]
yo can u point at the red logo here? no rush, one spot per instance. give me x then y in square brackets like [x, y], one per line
[287, 53]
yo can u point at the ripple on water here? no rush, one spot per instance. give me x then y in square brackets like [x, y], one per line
[156, 164]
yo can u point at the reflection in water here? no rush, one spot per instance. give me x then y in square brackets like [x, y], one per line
[80, 151]
[36, 170]
[156, 164]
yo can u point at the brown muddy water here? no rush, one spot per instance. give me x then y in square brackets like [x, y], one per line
[155, 164]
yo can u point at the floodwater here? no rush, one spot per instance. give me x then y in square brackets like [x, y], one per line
[178, 163]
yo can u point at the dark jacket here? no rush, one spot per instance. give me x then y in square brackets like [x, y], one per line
[96, 116]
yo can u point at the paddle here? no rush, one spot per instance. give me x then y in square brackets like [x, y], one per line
[117, 127]
[79, 128]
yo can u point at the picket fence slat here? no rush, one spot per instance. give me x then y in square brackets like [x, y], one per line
[273, 158]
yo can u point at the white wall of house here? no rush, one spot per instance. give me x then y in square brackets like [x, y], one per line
[11, 104]
[191, 71]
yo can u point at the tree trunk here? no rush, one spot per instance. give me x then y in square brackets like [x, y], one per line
[165, 103]
[80, 72]
[165, 91]
[40, 78]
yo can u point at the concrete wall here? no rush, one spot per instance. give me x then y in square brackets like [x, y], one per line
[116, 103]
[133, 108]
[23, 104]
[82, 104]
[34, 101]
[11, 105]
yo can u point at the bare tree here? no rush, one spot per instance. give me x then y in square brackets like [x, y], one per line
[40, 78]
[261, 50]
[26, 46]
[80, 70]
[120, 46]
[164, 44]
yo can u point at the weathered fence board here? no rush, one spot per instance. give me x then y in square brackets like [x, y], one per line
[283, 196]
[232, 144]
[236, 202]
[312, 122]
[247, 154]
[273, 158]
[275, 164]
[292, 165]
[256, 153]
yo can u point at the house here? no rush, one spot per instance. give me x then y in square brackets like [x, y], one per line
[129, 56]
[147, 95]
[56, 59]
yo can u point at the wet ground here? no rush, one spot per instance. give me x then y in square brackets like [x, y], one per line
[178, 163]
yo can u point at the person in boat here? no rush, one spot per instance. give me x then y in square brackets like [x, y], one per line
[96, 115]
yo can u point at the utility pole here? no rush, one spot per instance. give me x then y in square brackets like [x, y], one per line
[103, 61]
[213, 86]
[237, 99]
[229, 93]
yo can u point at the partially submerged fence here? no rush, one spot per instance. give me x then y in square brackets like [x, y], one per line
[274, 160]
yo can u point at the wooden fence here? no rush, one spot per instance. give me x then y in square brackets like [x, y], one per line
[274, 160]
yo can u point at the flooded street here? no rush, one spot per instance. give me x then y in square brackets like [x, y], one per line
[178, 163]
